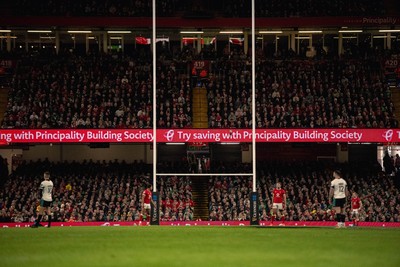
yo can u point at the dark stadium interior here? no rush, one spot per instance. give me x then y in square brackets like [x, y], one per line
[320, 64]
[205, 9]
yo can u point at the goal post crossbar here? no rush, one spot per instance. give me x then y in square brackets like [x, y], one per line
[203, 174]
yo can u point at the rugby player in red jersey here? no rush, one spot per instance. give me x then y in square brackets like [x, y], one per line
[278, 203]
[356, 205]
[146, 200]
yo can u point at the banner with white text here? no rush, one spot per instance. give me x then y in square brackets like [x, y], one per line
[10, 136]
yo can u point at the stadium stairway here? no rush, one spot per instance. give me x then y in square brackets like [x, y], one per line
[3, 102]
[200, 197]
[396, 101]
[200, 108]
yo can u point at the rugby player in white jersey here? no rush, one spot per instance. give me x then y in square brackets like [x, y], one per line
[337, 197]
[45, 202]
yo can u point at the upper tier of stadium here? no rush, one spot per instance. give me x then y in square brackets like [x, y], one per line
[205, 9]
[115, 91]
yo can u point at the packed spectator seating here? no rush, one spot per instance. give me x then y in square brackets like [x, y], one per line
[80, 92]
[115, 91]
[175, 97]
[301, 93]
[111, 191]
[176, 195]
[307, 187]
[229, 198]
[94, 91]
[92, 191]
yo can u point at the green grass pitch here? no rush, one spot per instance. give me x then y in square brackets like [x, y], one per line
[199, 246]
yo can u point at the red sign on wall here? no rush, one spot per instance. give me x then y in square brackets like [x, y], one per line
[200, 68]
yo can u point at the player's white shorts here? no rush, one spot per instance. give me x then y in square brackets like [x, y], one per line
[146, 206]
[278, 206]
[355, 211]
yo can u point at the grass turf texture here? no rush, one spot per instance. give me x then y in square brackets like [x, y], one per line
[199, 246]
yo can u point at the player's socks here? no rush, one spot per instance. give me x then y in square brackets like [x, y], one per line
[49, 222]
[283, 219]
[272, 218]
[337, 219]
[343, 218]
[141, 217]
[39, 219]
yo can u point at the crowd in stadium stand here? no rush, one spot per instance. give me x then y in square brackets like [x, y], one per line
[115, 91]
[92, 191]
[175, 98]
[76, 92]
[232, 8]
[94, 91]
[111, 191]
[301, 93]
[307, 188]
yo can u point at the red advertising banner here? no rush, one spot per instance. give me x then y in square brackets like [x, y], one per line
[142, 40]
[75, 136]
[204, 223]
[280, 135]
[10, 136]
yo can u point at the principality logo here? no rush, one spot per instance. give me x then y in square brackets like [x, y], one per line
[169, 135]
[388, 135]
